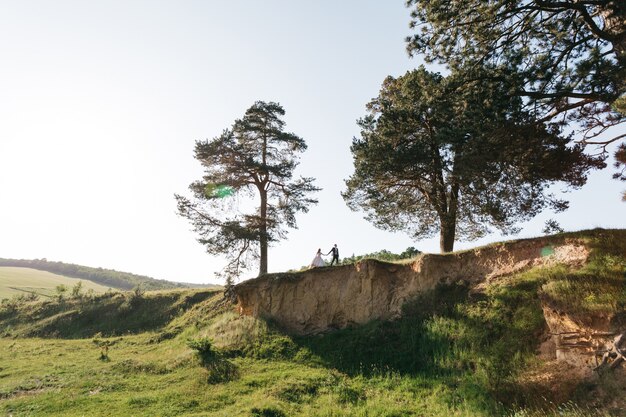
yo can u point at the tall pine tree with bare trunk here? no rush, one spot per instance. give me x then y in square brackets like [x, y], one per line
[247, 195]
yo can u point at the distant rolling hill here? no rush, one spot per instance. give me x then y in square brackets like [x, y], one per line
[99, 277]
[16, 281]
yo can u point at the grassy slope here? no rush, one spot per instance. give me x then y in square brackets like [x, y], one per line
[105, 277]
[17, 281]
[452, 354]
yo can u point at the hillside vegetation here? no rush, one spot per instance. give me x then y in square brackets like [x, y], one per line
[105, 277]
[456, 351]
[24, 281]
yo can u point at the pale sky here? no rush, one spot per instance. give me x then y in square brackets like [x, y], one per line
[101, 104]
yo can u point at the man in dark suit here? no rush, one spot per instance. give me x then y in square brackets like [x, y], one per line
[335, 252]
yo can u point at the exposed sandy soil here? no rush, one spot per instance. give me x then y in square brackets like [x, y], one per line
[327, 298]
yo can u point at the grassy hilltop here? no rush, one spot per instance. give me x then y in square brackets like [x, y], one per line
[24, 281]
[455, 352]
[40, 277]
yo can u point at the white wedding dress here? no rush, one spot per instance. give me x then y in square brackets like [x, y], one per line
[317, 261]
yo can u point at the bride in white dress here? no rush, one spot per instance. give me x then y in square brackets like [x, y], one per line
[317, 261]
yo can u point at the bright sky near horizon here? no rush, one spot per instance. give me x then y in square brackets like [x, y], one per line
[101, 104]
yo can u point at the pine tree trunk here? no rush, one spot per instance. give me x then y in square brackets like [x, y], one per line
[263, 234]
[447, 235]
[614, 16]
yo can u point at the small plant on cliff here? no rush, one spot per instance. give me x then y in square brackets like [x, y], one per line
[552, 227]
[134, 297]
[383, 255]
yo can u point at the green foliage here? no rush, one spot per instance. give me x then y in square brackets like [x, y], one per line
[348, 391]
[447, 336]
[620, 163]
[245, 336]
[267, 412]
[109, 314]
[219, 369]
[457, 155]
[77, 290]
[619, 105]
[567, 58]
[552, 227]
[255, 158]
[61, 290]
[15, 303]
[597, 288]
[203, 347]
[383, 255]
[134, 297]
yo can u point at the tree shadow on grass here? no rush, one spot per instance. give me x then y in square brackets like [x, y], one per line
[405, 346]
[474, 345]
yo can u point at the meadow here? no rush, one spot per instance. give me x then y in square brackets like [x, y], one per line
[454, 352]
[24, 281]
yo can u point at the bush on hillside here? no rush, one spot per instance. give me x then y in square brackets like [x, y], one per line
[218, 368]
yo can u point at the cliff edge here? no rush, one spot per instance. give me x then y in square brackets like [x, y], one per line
[322, 299]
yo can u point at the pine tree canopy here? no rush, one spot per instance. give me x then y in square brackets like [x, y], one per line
[458, 157]
[247, 196]
[568, 57]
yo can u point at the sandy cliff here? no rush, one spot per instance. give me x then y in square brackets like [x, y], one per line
[328, 298]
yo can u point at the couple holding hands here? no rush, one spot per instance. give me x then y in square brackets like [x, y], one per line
[318, 261]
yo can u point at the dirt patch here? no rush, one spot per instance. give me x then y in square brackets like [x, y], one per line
[554, 380]
[579, 342]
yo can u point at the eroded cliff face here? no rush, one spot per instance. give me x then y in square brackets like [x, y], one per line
[581, 340]
[328, 298]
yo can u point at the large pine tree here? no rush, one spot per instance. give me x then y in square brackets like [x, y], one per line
[249, 165]
[443, 154]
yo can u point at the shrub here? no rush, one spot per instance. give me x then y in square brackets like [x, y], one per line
[218, 368]
[267, 412]
[77, 289]
[104, 347]
[203, 348]
[61, 290]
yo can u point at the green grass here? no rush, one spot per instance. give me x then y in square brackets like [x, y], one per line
[142, 377]
[599, 287]
[444, 362]
[454, 352]
[109, 314]
[22, 281]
